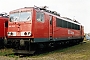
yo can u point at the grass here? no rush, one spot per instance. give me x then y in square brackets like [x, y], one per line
[5, 51]
[77, 52]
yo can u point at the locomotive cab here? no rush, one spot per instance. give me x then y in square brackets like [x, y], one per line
[20, 28]
[20, 24]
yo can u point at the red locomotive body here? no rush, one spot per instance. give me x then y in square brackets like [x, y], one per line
[3, 27]
[30, 26]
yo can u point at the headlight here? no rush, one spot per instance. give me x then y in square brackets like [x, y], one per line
[29, 33]
[25, 33]
[22, 33]
[14, 33]
[11, 33]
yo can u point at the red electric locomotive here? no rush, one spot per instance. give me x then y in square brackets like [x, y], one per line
[32, 27]
[3, 27]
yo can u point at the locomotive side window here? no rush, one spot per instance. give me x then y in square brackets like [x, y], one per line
[58, 22]
[40, 16]
[72, 26]
[78, 27]
[75, 26]
[64, 24]
[69, 25]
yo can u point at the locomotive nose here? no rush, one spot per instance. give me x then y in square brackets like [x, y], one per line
[20, 29]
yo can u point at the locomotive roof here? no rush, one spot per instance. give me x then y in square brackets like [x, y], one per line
[64, 18]
[21, 9]
[53, 13]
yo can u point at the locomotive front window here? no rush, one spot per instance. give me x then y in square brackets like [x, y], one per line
[14, 17]
[22, 16]
[25, 16]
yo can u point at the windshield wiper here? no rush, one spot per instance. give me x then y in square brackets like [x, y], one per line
[16, 19]
[28, 17]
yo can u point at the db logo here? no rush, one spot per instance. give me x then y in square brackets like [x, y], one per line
[70, 32]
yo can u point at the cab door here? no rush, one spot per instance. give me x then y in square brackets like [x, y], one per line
[51, 28]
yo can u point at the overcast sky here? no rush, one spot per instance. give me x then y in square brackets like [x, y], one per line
[78, 9]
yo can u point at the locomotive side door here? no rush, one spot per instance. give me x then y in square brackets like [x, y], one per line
[51, 33]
